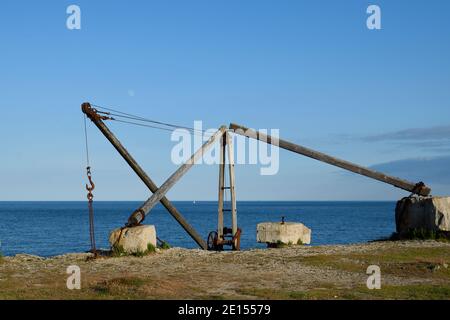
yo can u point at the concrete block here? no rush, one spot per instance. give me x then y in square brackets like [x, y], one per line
[428, 213]
[135, 239]
[287, 233]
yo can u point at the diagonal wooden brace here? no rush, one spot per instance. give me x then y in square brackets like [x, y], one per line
[140, 214]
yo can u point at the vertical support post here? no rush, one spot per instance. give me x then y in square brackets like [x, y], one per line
[223, 143]
[232, 183]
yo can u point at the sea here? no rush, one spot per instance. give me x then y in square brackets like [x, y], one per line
[54, 228]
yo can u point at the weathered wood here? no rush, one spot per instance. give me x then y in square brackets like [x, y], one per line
[86, 108]
[232, 184]
[180, 172]
[223, 142]
[418, 188]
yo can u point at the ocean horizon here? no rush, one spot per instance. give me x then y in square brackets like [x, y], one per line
[49, 228]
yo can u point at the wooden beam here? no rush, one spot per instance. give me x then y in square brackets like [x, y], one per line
[180, 172]
[223, 142]
[418, 188]
[97, 120]
[232, 184]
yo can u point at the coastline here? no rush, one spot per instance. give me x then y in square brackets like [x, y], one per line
[409, 270]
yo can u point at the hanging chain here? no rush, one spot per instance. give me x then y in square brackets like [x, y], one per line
[90, 195]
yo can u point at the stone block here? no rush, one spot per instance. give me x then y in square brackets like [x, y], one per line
[286, 233]
[135, 239]
[426, 213]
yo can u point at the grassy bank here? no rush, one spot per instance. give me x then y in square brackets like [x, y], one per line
[409, 270]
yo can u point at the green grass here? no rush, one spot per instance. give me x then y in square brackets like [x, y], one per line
[281, 244]
[329, 292]
[312, 294]
[164, 245]
[420, 262]
[421, 292]
[422, 234]
[150, 248]
[119, 251]
[128, 287]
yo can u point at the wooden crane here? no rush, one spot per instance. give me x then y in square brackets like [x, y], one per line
[223, 236]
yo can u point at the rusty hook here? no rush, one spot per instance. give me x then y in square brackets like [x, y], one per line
[92, 187]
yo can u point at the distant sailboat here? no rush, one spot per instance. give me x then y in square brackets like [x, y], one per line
[193, 202]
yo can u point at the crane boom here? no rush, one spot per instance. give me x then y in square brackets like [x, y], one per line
[417, 188]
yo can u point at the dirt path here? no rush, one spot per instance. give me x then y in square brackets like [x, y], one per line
[408, 270]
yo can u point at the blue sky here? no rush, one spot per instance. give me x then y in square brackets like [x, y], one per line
[310, 68]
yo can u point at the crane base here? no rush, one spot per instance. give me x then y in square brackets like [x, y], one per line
[422, 213]
[133, 240]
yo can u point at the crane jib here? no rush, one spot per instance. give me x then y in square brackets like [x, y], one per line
[417, 188]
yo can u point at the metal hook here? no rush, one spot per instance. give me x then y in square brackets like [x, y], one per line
[92, 187]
